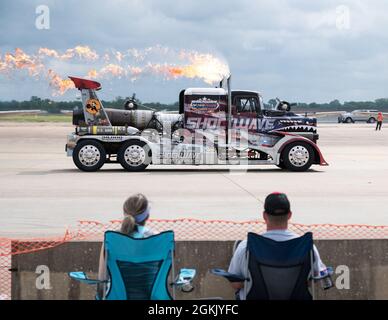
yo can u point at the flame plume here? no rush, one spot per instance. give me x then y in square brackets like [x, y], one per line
[60, 85]
[79, 51]
[130, 64]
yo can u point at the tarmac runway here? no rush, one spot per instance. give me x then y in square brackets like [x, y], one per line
[41, 191]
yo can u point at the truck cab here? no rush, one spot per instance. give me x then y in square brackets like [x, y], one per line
[207, 108]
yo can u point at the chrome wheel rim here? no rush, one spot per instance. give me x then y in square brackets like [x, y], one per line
[298, 156]
[135, 155]
[89, 155]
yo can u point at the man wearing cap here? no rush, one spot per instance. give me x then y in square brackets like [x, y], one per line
[277, 213]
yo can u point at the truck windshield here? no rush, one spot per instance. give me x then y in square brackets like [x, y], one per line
[247, 104]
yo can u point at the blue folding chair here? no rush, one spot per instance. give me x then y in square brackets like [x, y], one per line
[138, 269]
[278, 270]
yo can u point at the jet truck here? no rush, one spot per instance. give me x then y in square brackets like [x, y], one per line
[214, 126]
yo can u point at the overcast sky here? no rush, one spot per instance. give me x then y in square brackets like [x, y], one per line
[299, 50]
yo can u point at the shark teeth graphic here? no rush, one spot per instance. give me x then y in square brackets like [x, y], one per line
[300, 128]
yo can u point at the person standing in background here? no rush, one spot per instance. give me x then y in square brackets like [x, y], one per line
[380, 119]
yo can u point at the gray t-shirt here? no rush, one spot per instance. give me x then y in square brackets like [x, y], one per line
[238, 264]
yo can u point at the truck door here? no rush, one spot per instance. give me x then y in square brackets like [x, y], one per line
[245, 111]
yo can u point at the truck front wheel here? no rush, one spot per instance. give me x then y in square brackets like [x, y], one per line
[89, 155]
[134, 155]
[281, 165]
[298, 156]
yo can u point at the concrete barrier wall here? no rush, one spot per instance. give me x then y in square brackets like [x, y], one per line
[367, 261]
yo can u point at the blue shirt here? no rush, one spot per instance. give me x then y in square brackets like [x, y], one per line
[141, 232]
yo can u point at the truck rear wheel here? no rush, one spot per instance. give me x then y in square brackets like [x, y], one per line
[89, 155]
[134, 155]
[298, 156]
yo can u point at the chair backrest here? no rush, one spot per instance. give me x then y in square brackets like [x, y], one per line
[138, 268]
[279, 270]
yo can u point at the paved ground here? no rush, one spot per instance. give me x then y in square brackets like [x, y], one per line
[41, 192]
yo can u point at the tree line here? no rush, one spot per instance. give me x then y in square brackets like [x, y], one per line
[118, 103]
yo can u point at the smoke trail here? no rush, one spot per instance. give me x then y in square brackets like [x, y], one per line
[130, 64]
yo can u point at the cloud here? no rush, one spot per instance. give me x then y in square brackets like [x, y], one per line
[291, 49]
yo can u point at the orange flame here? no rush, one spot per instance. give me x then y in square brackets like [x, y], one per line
[79, 51]
[92, 73]
[204, 66]
[21, 60]
[60, 85]
[112, 69]
[189, 64]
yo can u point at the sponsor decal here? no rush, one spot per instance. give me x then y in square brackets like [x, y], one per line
[93, 106]
[251, 124]
[180, 155]
[111, 138]
[204, 105]
[264, 124]
[204, 123]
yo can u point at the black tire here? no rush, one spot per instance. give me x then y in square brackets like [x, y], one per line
[96, 159]
[371, 120]
[145, 155]
[349, 120]
[281, 165]
[292, 152]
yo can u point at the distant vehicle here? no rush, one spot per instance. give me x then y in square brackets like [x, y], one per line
[369, 116]
[66, 111]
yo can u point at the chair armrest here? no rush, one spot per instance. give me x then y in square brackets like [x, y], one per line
[184, 280]
[324, 274]
[82, 277]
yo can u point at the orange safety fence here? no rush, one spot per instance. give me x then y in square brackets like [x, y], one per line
[13, 246]
[184, 229]
[219, 230]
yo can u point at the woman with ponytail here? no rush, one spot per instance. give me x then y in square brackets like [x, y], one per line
[136, 213]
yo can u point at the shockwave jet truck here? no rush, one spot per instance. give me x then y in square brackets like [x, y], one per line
[214, 126]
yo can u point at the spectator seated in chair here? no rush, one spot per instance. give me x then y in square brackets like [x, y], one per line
[281, 243]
